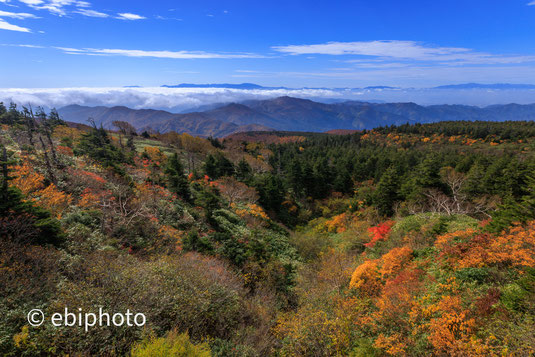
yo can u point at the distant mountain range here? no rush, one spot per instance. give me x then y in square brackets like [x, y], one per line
[292, 114]
[251, 86]
[501, 86]
[221, 85]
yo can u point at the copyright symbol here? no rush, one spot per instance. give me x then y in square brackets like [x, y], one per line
[36, 317]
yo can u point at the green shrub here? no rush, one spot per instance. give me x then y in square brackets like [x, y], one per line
[479, 275]
[514, 296]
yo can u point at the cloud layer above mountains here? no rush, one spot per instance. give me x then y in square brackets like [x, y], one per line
[180, 99]
[155, 97]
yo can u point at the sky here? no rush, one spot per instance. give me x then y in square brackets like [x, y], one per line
[293, 43]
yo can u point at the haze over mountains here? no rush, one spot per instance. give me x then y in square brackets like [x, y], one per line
[292, 114]
[185, 98]
[250, 86]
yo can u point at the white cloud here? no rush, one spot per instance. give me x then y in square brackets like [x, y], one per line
[148, 97]
[10, 27]
[32, 2]
[17, 15]
[531, 3]
[405, 50]
[129, 16]
[396, 49]
[25, 46]
[91, 13]
[157, 54]
[56, 7]
[178, 99]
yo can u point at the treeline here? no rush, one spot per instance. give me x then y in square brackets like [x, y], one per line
[506, 130]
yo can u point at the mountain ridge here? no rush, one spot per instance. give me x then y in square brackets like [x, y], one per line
[253, 86]
[293, 114]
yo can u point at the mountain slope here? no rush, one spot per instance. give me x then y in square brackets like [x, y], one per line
[199, 124]
[293, 114]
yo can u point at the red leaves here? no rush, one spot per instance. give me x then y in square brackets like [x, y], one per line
[485, 304]
[379, 232]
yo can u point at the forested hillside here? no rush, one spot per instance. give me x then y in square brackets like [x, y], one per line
[295, 114]
[402, 240]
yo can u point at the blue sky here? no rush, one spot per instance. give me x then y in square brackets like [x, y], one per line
[94, 43]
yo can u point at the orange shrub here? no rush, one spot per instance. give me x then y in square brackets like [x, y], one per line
[394, 261]
[53, 199]
[366, 278]
[31, 183]
[452, 329]
[155, 154]
[26, 179]
[467, 248]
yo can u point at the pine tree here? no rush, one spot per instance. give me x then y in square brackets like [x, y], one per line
[97, 145]
[386, 193]
[177, 181]
[295, 177]
[5, 165]
[210, 167]
[309, 181]
[20, 220]
[243, 170]
[343, 182]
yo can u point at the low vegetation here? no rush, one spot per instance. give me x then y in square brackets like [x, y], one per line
[410, 240]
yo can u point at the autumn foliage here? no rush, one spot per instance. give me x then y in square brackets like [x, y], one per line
[384, 242]
[379, 233]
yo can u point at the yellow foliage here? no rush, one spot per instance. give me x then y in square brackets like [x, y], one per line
[515, 247]
[366, 278]
[394, 261]
[155, 154]
[27, 180]
[337, 223]
[173, 344]
[251, 209]
[453, 328]
[53, 199]
[62, 131]
[31, 183]
[391, 344]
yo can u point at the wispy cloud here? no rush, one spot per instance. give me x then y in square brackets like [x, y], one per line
[64, 7]
[4, 25]
[531, 3]
[159, 17]
[403, 50]
[129, 16]
[32, 2]
[56, 7]
[156, 54]
[17, 15]
[91, 13]
[17, 45]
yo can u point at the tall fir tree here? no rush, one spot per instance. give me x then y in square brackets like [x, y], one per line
[177, 181]
[386, 194]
